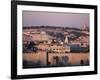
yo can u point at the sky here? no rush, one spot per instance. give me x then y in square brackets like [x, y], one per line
[33, 18]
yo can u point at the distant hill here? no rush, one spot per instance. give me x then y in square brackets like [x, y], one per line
[50, 27]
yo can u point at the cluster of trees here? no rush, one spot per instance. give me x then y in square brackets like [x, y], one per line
[31, 47]
[59, 36]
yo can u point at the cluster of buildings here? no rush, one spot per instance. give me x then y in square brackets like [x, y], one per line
[73, 51]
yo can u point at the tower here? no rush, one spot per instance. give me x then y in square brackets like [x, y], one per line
[84, 27]
[66, 39]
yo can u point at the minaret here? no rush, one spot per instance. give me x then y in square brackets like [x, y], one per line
[84, 26]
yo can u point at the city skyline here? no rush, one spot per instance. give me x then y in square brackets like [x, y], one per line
[76, 20]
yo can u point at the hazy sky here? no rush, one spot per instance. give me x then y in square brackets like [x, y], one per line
[32, 18]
